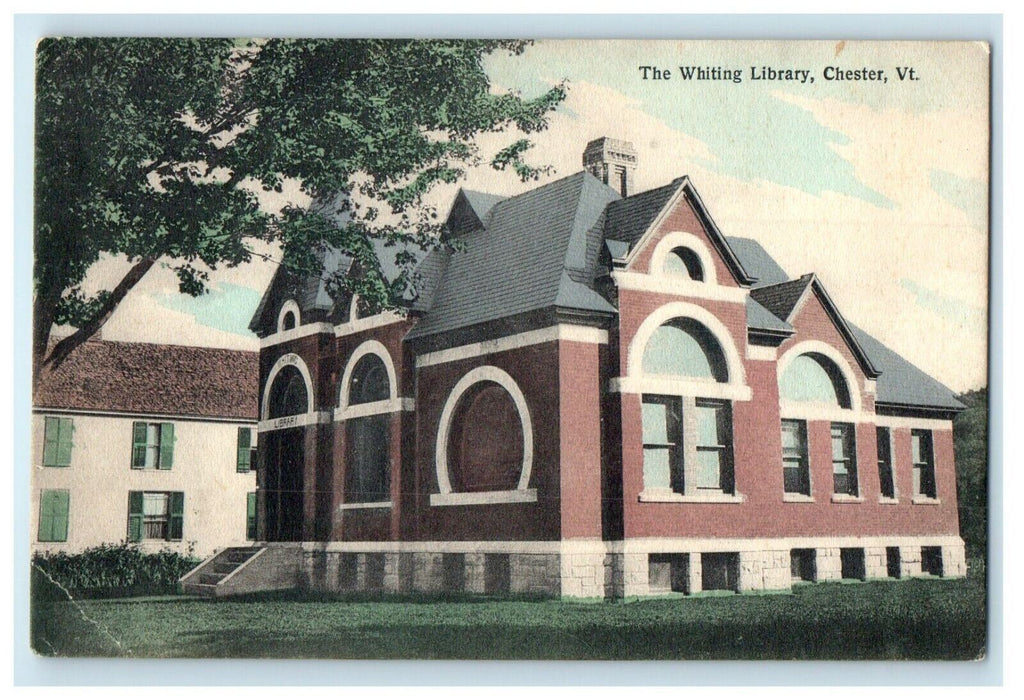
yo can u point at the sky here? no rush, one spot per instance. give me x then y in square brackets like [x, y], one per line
[879, 187]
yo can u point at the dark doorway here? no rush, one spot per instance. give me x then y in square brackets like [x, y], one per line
[497, 574]
[283, 484]
[892, 562]
[720, 571]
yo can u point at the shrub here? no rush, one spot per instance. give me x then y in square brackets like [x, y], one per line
[123, 568]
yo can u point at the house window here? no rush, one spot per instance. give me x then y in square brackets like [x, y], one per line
[57, 434]
[844, 460]
[152, 445]
[250, 515]
[53, 516]
[288, 322]
[155, 515]
[714, 446]
[931, 561]
[796, 475]
[245, 451]
[924, 463]
[885, 477]
[663, 443]
[683, 262]
[368, 461]
[687, 440]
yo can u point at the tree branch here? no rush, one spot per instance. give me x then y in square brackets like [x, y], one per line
[65, 346]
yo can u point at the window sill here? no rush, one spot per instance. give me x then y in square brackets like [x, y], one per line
[846, 498]
[797, 498]
[665, 496]
[925, 501]
[885, 500]
[364, 506]
[483, 497]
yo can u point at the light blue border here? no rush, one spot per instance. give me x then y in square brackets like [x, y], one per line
[32, 670]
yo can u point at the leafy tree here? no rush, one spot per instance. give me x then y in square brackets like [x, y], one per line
[156, 149]
[970, 443]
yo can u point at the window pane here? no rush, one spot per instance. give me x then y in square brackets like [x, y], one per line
[915, 447]
[707, 425]
[792, 439]
[684, 348]
[709, 469]
[657, 467]
[154, 504]
[655, 423]
[814, 379]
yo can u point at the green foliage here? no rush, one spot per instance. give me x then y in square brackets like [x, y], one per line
[122, 568]
[155, 149]
[970, 443]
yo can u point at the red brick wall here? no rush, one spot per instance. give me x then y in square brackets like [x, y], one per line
[579, 429]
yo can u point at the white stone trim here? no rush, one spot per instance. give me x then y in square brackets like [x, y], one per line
[664, 545]
[814, 411]
[296, 333]
[375, 408]
[888, 501]
[297, 421]
[796, 498]
[885, 421]
[677, 286]
[762, 353]
[477, 498]
[925, 501]
[364, 506]
[289, 305]
[288, 359]
[683, 239]
[681, 309]
[871, 386]
[853, 387]
[669, 496]
[561, 331]
[846, 498]
[474, 376]
[368, 347]
[653, 384]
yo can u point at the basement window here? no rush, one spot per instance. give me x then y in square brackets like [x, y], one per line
[892, 562]
[668, 573]
[720, 571]
[802, 564]
[931, 561]
[852, 562]
[497, 574]
[454, 568]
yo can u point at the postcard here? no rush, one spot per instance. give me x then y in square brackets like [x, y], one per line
[473, 349]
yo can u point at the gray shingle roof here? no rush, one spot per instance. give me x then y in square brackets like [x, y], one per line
[760, 318]
[628, 219]
[901, 382]
[517, 263]
[757, 262]
[781, 298]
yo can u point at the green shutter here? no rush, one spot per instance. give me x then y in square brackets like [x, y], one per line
[250, 516]
[64, 442]
[53, 516]
[166, 445]
[177, 521]
[51, 438]
[138, 446]
[244, 460]
[135, 515]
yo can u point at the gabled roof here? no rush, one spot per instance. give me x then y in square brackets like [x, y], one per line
[149, 379]
[520, 261]
[760, 318]
[309, 292]
[469, 211]
[630, 219]
[782, 298]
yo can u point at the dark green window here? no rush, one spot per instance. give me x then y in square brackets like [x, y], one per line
[250, 516]
[923, 457]
[155, 515]
[152, 445]
[53, 516]
[245, 449]
[796, 476]
[57, 443]
[844, 460]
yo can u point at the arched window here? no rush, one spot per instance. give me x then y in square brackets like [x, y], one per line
[685, 348]
[814, 378]
[369, 381]
[687, 438]
[485, 450]
[288, 322]
[368, 437]
[288, 396]
[683, 262]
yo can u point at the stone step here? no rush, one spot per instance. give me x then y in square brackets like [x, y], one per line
[225, 567]
[199, 589]
[211, 579]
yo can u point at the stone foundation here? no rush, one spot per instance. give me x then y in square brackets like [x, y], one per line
[592, 569]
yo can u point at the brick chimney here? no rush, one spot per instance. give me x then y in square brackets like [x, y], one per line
[613, 162]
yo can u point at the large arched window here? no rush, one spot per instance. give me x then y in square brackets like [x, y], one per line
[485, 449]
[368, 463]
[814, 378]
[683, 262]
[687, 438]
[685, 348]
[288, 396]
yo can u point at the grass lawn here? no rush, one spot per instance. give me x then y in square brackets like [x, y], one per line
[914, 619]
